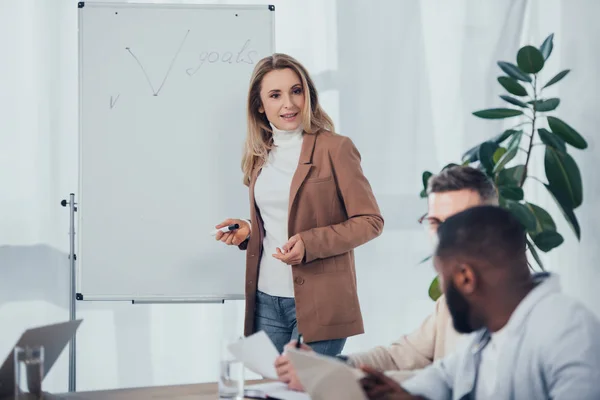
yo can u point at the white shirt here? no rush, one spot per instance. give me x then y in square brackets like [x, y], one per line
[272, 196]
[487, 374]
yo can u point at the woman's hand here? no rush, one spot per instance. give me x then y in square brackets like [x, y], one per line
[235, 237]
[291, 253]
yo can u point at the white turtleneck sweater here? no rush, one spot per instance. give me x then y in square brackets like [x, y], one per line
[272, 196]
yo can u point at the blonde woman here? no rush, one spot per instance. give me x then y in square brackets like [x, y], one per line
[310, 207]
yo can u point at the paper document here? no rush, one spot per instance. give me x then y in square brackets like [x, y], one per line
[276, 390]
[326, 377]
[257, 353]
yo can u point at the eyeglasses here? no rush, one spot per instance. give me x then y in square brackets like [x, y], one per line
[430, 223]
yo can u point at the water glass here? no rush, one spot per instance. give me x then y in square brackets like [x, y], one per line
[231, 374]
[29, 372]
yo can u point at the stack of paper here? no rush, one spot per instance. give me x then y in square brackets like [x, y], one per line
[257, 353]
[275, 391]
[322, 377]
[326, 377]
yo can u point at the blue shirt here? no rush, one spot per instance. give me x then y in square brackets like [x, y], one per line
[550, 350]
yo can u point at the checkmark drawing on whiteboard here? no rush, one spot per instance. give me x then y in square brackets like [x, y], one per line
[155, 92]
[113, 100]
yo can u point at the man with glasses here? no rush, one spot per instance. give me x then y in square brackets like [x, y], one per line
[453, 190]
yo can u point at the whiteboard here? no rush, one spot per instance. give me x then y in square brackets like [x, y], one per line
[162, 123]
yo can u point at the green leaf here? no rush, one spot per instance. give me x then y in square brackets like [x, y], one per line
[514, 101]
[502, 202]
[426, 259]
[544, 221]
[511, 192]
[513, 71]
[522, 213]
[434, 290]
[426, 175]
[504, 135]
[567, 133]
[548, 240]
[535, 102]
[515, 140]
[557, 78]
[510, 176]
[552, 140]
[512, 86]
[546, 47]
[472, 154]
[500, 151]
[566, 211]
[530, 60]
[564, 177]
[535, 254]
[505, 159]
[497, 113]
[486, 155]
[512, 150]
[546, 105]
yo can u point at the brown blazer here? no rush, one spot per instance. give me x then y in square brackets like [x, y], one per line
[333, 209]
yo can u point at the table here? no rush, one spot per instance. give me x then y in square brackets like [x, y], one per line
[200, 391]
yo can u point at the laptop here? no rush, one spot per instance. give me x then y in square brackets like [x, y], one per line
[54, 338]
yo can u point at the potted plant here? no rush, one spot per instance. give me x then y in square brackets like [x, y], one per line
[536, 128]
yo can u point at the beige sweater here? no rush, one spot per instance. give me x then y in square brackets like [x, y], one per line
[434, 339]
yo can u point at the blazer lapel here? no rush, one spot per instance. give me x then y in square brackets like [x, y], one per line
[253, 176]
[253, 209]
[304, 166]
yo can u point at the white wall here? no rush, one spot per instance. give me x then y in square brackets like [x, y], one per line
[400, 77]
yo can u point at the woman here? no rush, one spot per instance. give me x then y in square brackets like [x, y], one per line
[310, 206]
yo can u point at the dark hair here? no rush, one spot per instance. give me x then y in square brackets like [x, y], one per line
[487, 233]
[463, 177]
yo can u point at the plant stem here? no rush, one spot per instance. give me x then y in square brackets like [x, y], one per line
[532, 131]
[536, 179]
[521, 124]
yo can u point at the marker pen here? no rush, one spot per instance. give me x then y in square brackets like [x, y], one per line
[226, 229]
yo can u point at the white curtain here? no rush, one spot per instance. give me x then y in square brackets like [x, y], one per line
[400, 77]
[577, 38]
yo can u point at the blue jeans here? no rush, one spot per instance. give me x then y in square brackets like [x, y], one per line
[277, 317]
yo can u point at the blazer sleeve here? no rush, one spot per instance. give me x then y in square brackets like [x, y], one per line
[364, 221]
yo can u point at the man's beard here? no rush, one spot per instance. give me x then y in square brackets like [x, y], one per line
[459, 308]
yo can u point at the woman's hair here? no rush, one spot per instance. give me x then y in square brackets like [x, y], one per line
[259, 139]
